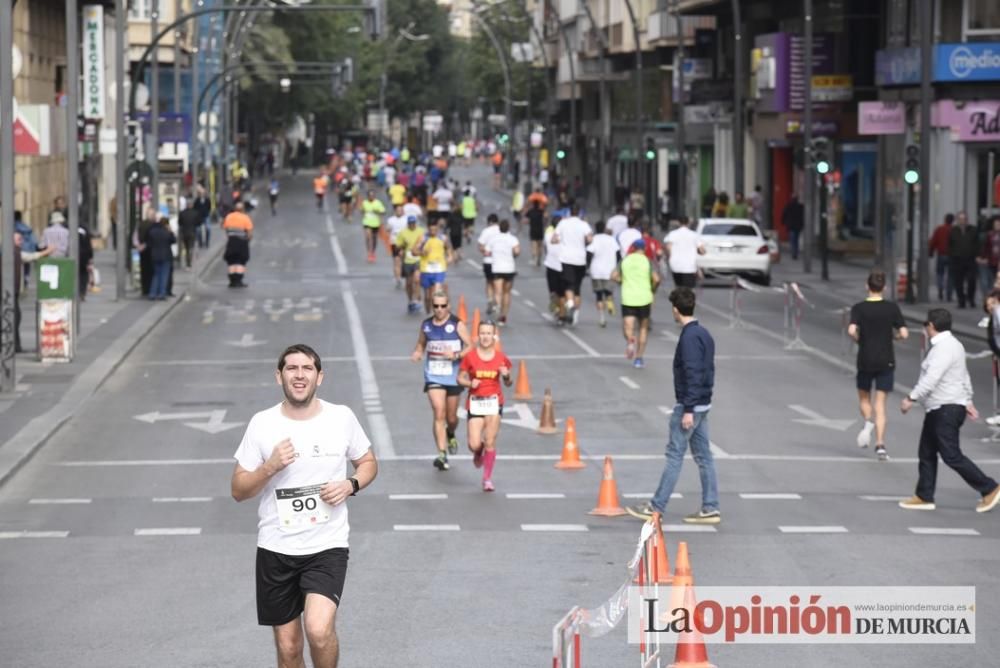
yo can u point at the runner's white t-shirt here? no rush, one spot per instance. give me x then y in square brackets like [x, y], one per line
[444, 197]
[617, 224]
[627, 238]
[412, 209]
[572, 244]
[501, 247]
[551, 251]
[605, 250]
[485, 236]
[683, 250]
[396, 224]
[324, 446]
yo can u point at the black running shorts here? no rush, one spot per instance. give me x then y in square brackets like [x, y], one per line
[573, 276]
[284, 580]
[639, 312]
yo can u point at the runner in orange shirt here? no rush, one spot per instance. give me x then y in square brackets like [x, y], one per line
[320, 185]
[239, 231]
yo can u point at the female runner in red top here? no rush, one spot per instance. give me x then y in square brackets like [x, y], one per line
[481, 371]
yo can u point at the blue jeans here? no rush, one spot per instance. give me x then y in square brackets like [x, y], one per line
[205, 233]
[943, 270]
[793, 243]
[702, 453]
[161, 274]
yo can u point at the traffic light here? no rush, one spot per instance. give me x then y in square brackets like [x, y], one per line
[821, 155]
[650, 149]
[911, 173]
[560, 153]
[503, 138]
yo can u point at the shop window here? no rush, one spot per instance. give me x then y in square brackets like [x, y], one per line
[982, 17]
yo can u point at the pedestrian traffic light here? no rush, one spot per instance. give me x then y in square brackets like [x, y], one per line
[650, 149]
[560, 153]
[821, 154]
[911, 174]
[504, 138]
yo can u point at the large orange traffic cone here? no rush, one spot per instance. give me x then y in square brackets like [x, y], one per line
[683, 577]
[607, 496]
[691, 652]
[474, 333]
[522, 390]
[547, 423]
[571, 452]
[463, 314]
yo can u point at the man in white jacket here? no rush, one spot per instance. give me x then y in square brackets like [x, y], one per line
[945, 391]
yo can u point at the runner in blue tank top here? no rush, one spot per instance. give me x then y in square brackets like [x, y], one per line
[445, 340]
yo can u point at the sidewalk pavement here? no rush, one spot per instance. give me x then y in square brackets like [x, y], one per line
[49, 394]
[847, 282]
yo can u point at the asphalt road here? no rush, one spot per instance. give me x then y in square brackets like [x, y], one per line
[122, 547]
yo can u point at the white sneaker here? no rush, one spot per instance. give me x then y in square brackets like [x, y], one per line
[993, 421]
[865, 435]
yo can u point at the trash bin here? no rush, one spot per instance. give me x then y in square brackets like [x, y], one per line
[56, 286]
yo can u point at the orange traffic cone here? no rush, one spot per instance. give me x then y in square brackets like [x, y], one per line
[691, 652]
[474, 333]
[463, 314]
[570, 453]
[683, 577]
[607, 496]
[499, 344]
[547, 423]
[383, 234]
[522, 390]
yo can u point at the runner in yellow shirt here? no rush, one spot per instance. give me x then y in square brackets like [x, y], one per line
[397, 194]
[434, 252]
[407, 241]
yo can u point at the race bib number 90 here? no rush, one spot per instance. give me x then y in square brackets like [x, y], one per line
[484, 405]
[301, 507]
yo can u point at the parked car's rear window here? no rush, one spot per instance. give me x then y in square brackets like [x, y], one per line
[729, 229]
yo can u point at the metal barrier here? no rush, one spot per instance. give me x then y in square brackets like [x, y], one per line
[598, 621]
[798, 302]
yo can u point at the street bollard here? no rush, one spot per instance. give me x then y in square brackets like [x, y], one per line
[797, 343]
[786, 323]
[735, 306]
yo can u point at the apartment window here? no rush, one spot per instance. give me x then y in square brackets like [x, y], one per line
[982, 17]
[140, 9]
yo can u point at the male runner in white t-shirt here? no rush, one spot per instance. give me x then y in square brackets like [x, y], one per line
[294, 455]
[491, 230]
[572, 235]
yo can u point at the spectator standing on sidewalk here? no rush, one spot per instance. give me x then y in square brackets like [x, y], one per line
[963, 247]
[989, 258]
[21, 258]
[739, 207]
[56, 235]
[874, 324]
[239, 232]
[187, 224]
[159, 239]
[992, 307]
[85, 261]
[28, 242]
[203, 206]
[694, 380]
[938, 249]
[945, 391]
[793, 218]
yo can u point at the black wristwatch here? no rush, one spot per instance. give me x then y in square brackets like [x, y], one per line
[355, 485]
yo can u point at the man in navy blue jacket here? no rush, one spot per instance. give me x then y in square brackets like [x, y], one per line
[694, 378]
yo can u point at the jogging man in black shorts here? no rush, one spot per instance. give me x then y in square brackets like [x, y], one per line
[294, 455]
[874, 324]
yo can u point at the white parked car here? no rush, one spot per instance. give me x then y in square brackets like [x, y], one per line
[734, 246]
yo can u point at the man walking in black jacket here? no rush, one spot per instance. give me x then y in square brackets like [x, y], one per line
[963, 247]
[188, 222]
[694, 379]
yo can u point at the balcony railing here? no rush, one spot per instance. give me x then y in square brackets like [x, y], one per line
[663, 26]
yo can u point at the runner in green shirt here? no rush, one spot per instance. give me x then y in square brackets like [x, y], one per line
[639, 280]
[373, 210]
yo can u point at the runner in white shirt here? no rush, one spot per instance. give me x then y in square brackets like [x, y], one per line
[444, 197]
[413, 209]
[396, 223]
[294, 455]
[617, 223]
[627, 237]
[604, 252]
[492, 228]
[572, 236]
[683, 247]
[553, 272]
[503, 248]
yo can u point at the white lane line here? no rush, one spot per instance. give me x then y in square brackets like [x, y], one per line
[33, 534]
[628, 382]
[338, 252]
[881, 498]
[416, 497]
[515, 292]
[689, 528]
[812, 529]
[145, 462]
[554, 527]
[58, 501]
[169, 531]
[775, 496]
[670, 336]
[649, 495]
[935, 531]
[519, 495]
[381, 437]
[717, 452]
[182, 499]
[426, 527]
[577, 340]
[529, 303]
[474, 264]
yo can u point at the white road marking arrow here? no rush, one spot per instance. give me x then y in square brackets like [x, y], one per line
[814, 419]
[247, 341]
[214, 425]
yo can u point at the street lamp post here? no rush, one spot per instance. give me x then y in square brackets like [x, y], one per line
[7, 334]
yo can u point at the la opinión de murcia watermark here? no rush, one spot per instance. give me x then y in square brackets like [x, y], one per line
[816, 615]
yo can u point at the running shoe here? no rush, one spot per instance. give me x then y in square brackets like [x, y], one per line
[441, 462]
[575, 318]
[989, 501]
[488, 486]
[399, 284]
[865, 435]
[638, 363]
[371, 258]
[610, 305]
[630, 349]
[503, 321]
[477, 458]
[490, 308]
[880, 452]
[704, 516]
[643, 511]
[916, 503]
[993, 421]
[602, 321]
[452, 445]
